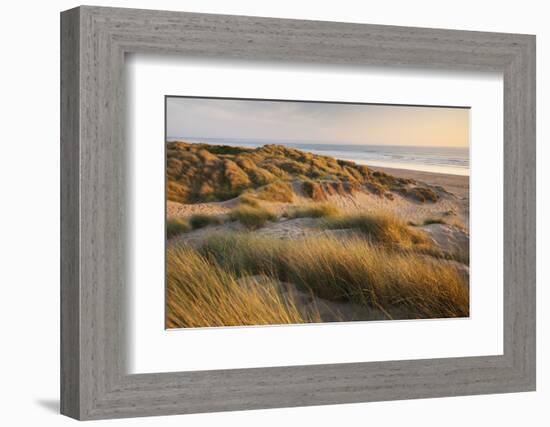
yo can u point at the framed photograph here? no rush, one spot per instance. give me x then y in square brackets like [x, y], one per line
[262, 213]
[290, 212]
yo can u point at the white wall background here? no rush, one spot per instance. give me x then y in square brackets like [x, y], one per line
[29, 212]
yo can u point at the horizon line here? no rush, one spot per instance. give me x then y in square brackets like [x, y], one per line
[281, 141]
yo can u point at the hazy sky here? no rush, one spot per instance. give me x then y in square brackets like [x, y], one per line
[319, 122]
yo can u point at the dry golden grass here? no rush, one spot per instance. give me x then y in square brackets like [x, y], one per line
[201, 294]
[314, 190]
[383, 229]
[175, 227]
[249, 199]
[420, 194]
[204, 220]
[434, 220]
[279, 191]
[252, 217]
[205, 173]
[313, 210]
[235, 177]
[391, 232]
[351, 270]
[357, 271]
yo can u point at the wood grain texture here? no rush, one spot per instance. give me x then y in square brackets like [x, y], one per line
[94, 201]
[70, 314]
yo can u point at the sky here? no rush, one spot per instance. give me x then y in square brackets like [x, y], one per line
[317, 122]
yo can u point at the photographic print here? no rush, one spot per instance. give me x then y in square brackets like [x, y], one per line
[290, 212]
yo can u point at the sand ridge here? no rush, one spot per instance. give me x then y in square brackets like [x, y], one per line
[452, 207]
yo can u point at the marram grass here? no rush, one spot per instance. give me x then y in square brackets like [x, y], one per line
[383, 265]
[203, 294]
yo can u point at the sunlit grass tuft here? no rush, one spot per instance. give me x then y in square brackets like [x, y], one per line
[201, 294]
[351, 270]
[249, 199]
[175, 227]
[433, 220]
[203, 220]
[279, 191]
[386, 230]
[252, 217]
[313, 210]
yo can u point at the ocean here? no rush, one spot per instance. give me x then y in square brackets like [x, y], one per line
[449, 160]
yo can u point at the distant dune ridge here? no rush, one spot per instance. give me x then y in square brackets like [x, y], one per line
[276, 235]
[206, 173]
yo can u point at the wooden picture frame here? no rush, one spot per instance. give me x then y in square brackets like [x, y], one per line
[94, 382]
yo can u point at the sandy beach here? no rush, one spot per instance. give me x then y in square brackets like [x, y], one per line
[457, 184]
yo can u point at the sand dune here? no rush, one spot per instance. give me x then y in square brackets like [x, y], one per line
[453, 207]
[313, 206]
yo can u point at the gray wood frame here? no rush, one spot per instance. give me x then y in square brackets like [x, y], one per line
[94, 41]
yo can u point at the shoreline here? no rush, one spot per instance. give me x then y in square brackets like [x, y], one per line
[437, 169]
[457, 184]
